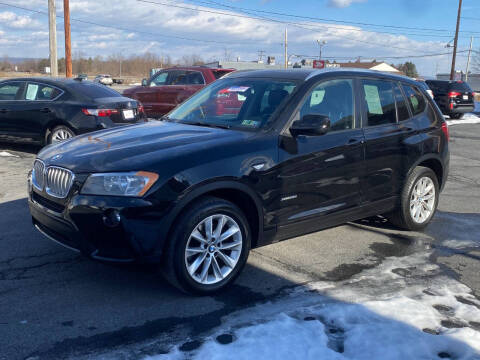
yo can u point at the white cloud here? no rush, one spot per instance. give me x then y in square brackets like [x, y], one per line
[10, 19]
[160, 29]
[343, 3]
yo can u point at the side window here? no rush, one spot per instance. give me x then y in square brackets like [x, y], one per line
[402, 110]
[10, 91]
[415, 98]
[195, 78]
[39, 92]
[333, 98]
[160, 79]
[177, 78]
[379, 102]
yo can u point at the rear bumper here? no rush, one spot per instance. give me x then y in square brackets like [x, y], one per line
[462, 109]
[82, 227]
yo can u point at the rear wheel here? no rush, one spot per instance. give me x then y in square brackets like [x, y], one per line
[60, 133]
[456, 116]
[418, 201]
[209, 248]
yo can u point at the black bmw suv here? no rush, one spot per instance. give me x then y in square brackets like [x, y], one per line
[454, 98]
[293, 153]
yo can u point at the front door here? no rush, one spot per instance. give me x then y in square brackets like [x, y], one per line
[320, 175]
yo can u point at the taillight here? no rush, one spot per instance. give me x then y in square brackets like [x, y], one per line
[453, 94]
[473, 94]
[140, 108]
[100, 112]
[445, 130]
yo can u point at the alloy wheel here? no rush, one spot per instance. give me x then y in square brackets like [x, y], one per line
[422, 200]
[61, 135]
[213, 249]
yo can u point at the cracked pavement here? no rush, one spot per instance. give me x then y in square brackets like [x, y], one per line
[55, 304]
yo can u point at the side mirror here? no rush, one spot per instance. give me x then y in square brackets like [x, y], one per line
[311, 124]
[144, 82]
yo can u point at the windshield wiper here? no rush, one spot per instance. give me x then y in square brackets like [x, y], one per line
[200, 123]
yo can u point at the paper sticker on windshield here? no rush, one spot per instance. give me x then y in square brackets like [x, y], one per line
[238, 88]
[250, 123]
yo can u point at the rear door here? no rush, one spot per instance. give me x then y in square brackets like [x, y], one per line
[387, 148]
[10, 96]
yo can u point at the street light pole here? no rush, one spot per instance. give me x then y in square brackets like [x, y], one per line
[452, 70]
[320, 44]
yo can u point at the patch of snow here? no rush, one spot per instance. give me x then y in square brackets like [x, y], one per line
[403, 309]
[7, 154]
[467, 119]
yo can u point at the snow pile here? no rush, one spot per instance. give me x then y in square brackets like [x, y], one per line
[467, 119]
[7, 154]
[403, 309]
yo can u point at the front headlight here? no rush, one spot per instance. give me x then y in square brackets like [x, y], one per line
[119, 184]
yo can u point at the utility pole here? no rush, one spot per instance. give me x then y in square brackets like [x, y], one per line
[286, 49]
[468, 60]
[260, 55]
[320, 44]
[452, 71]
[68, 41]
[52, 30]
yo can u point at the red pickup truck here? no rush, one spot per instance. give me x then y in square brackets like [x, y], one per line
[169, 87]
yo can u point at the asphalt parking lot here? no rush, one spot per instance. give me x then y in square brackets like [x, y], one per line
[57, 304]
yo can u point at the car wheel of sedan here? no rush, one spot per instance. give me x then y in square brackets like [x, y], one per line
[456, 116]
[209, 248]
[419, 200]
[60, 133]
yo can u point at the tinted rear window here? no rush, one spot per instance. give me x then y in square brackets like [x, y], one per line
[92, 90]
[219, 73]
[463, 87]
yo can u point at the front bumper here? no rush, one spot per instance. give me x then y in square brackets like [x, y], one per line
[84, 224]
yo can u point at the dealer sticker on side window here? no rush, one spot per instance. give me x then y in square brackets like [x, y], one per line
[250, 123]
[238, 88]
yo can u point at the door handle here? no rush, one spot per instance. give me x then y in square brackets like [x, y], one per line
[45, 110]
[354, 141]
[3, 111]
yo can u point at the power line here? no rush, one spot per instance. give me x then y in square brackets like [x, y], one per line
[259, 17]
[123, 28]
[326, 19]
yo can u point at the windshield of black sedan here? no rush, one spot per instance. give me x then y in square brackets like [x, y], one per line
[237, 103]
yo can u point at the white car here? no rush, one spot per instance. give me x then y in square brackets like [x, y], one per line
[104, 79]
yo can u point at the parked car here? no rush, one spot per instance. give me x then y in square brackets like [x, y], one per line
[104, 79]
[168, 88]
[82, 77]
[453, 97]
[197, 191]
[46, 110]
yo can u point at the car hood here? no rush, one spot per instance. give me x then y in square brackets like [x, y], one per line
[138, 147]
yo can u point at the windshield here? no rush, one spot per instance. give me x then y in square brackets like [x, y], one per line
[235, 103]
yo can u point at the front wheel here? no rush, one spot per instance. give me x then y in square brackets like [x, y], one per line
[418, 201]
[209, 248]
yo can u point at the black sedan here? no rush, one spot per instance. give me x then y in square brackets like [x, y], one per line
[46, 110]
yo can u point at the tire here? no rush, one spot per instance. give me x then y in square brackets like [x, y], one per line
[426, 202]
[456, 116]
[60, 133]
[178, 267]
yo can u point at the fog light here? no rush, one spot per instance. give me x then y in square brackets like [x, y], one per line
[112, 218]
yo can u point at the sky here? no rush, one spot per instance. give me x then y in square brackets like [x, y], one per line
[391, 30]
